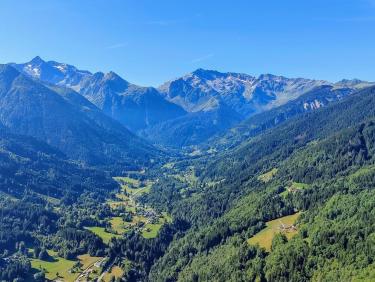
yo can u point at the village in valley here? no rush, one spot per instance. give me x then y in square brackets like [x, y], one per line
[127, 214]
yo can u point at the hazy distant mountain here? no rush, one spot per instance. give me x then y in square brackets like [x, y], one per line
[353, 83]
[66, 120]
[193, 128]
[242, 96]
[53, 72]
[317, 98]
[245, 94]
[193, 108]
[134, 106]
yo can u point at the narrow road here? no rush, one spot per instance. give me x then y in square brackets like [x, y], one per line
[87, 271]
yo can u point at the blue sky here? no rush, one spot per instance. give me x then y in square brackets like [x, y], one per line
[148, 42]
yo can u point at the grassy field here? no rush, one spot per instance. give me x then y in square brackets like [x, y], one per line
[295, 186]
[56, 264]
[87, 260]
[62, 266]
[187, 176]
[166, 217]
[118, 225]
[151, 230]
[168, 165]
[127, 180]
[51, 200]
[116, 272]
[266, 177]
[138, 190]
[133, 186]
[264, 237]
[100, 231]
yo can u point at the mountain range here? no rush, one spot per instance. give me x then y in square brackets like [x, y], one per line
[191, 109]
[262, 178]
[69, 122]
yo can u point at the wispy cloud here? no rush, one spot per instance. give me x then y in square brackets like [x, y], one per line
[203, 58]
[117, 45]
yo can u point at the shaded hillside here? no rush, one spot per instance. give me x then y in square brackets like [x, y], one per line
[68, 122]
[315, 99]
[134, 106]
[336, 204]
[193, 128]
[29, 165]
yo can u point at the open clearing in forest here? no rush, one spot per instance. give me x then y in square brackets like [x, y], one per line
[266, 177]
[115, 272]
[56, 264]
[100, 231]
[265, 236]
[151, 230]
[118, 225]
[134, 186]
[294, 187]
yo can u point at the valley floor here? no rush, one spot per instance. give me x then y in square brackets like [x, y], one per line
[130, 216]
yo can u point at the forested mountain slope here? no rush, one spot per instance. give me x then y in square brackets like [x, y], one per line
[336, 229]
[30, 165]
[41, 199]
[276, 144]
[287, 195]
[312, 100]
[336, 169]
[193, 128]
[67, 121]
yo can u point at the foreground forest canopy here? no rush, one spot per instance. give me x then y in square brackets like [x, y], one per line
[283, 193]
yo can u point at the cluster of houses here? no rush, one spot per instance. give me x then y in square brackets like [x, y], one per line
[285, 228]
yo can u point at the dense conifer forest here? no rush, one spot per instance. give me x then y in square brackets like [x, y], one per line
[319, 167]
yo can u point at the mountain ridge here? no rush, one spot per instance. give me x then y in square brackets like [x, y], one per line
[66, 120]
[170, 108]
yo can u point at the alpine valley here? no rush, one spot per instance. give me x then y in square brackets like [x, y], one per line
[211, 176]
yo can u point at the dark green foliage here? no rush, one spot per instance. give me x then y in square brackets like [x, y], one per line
[330, 153]
[27, 164]
[43, 255]
[23, 217]
[64, 119]
[341, 242]
[144, 252]
[39, 276]
[72, 242]
[15, 267]
[339, 163]
[259, 123]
